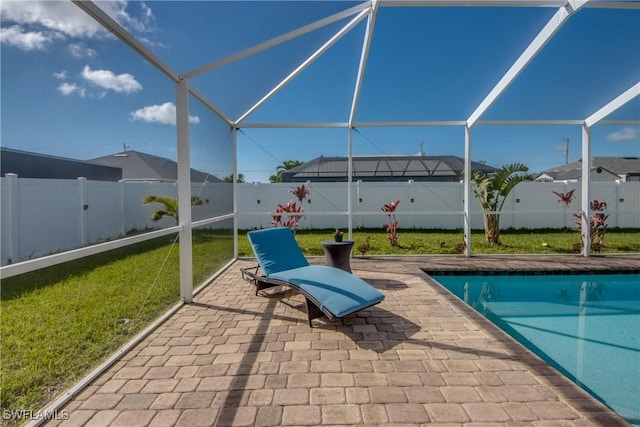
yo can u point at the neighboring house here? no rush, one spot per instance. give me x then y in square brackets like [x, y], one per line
[383, 168]
[138, 166]
[26, 164]
[602, 169]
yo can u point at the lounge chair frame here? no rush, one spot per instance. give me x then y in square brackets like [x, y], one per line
[263, 282]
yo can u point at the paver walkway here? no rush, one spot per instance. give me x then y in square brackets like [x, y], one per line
[420, 357]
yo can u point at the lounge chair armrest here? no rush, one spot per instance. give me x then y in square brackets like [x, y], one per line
[251, 275]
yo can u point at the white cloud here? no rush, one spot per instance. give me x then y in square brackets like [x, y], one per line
[16, 36]
[55, 16]
[62, 75]
[624, 134]
[79, 50]
[121, 83]
[37, 23]
[165, 113]
[118, 10]
[68, 89]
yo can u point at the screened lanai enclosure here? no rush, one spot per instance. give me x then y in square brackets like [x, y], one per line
[236, 88]
[231, 90]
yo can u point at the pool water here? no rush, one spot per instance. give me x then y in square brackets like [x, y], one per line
[586, 326]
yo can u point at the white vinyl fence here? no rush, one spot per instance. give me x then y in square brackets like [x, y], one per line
[44, 216]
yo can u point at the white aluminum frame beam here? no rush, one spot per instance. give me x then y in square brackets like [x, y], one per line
[210, 106]
[613, 4]
[184, 190]
[460, 123]
[467, 192]
[506, 3]
[612, 106]
[91, 9]
[294, 125]
[543, 37]
[585, 211]
[234, 153]
[409, 124]
[589, 122]
[350, 182]
[278, 40]
[306, 63]
[474, 3]
[364, 55]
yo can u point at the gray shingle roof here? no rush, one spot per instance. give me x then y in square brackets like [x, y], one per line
[27, 164]
[621, 166]
[136, 165]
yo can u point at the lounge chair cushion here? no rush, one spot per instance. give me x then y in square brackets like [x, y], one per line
[336, 290]
[276, 250]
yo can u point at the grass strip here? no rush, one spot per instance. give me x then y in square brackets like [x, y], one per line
[442, 242]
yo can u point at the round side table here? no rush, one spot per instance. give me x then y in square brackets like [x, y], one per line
[338, 254]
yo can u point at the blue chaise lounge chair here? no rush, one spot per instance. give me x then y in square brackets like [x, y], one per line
[328, 291]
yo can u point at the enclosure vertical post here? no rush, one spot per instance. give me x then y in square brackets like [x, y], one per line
[234, 154]
[123, 216]
[467, 191]
[14, 218]
[184, 190]
[350, 182]
[586, 190]
[82, 196]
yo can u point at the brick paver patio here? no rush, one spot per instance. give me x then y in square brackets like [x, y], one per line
[420, 357]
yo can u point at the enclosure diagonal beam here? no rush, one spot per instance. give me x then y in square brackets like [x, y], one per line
[278, 40]
[306, 63]
[543, 37]
[612, 106]
[210, 106]
[110, 24]
[363, 60]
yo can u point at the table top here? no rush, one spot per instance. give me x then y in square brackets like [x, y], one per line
[330, 242]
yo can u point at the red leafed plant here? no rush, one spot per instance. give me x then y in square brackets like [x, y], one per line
[597, 220]
[392, 226]
[565, 198]
[292, 210]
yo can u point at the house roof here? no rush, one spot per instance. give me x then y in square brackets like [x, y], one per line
[140, 166]
[615, 165]
[576, 174]
[27, 164]
[383, 168]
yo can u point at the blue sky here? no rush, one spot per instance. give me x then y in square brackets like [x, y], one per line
[70, 89]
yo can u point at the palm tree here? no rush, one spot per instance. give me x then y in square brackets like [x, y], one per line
[170, 206]
[285, 166]
[240, 180]
[492, 190]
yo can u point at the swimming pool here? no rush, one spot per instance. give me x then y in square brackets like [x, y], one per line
[586, 326]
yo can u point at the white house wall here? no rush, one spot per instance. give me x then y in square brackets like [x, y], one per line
[48, 216]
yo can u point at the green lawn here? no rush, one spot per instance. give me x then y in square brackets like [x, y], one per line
[429, 242]
[61, 322]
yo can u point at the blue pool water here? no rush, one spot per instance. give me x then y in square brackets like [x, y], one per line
[586, 326]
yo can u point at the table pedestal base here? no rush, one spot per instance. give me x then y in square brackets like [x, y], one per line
[338, 254]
